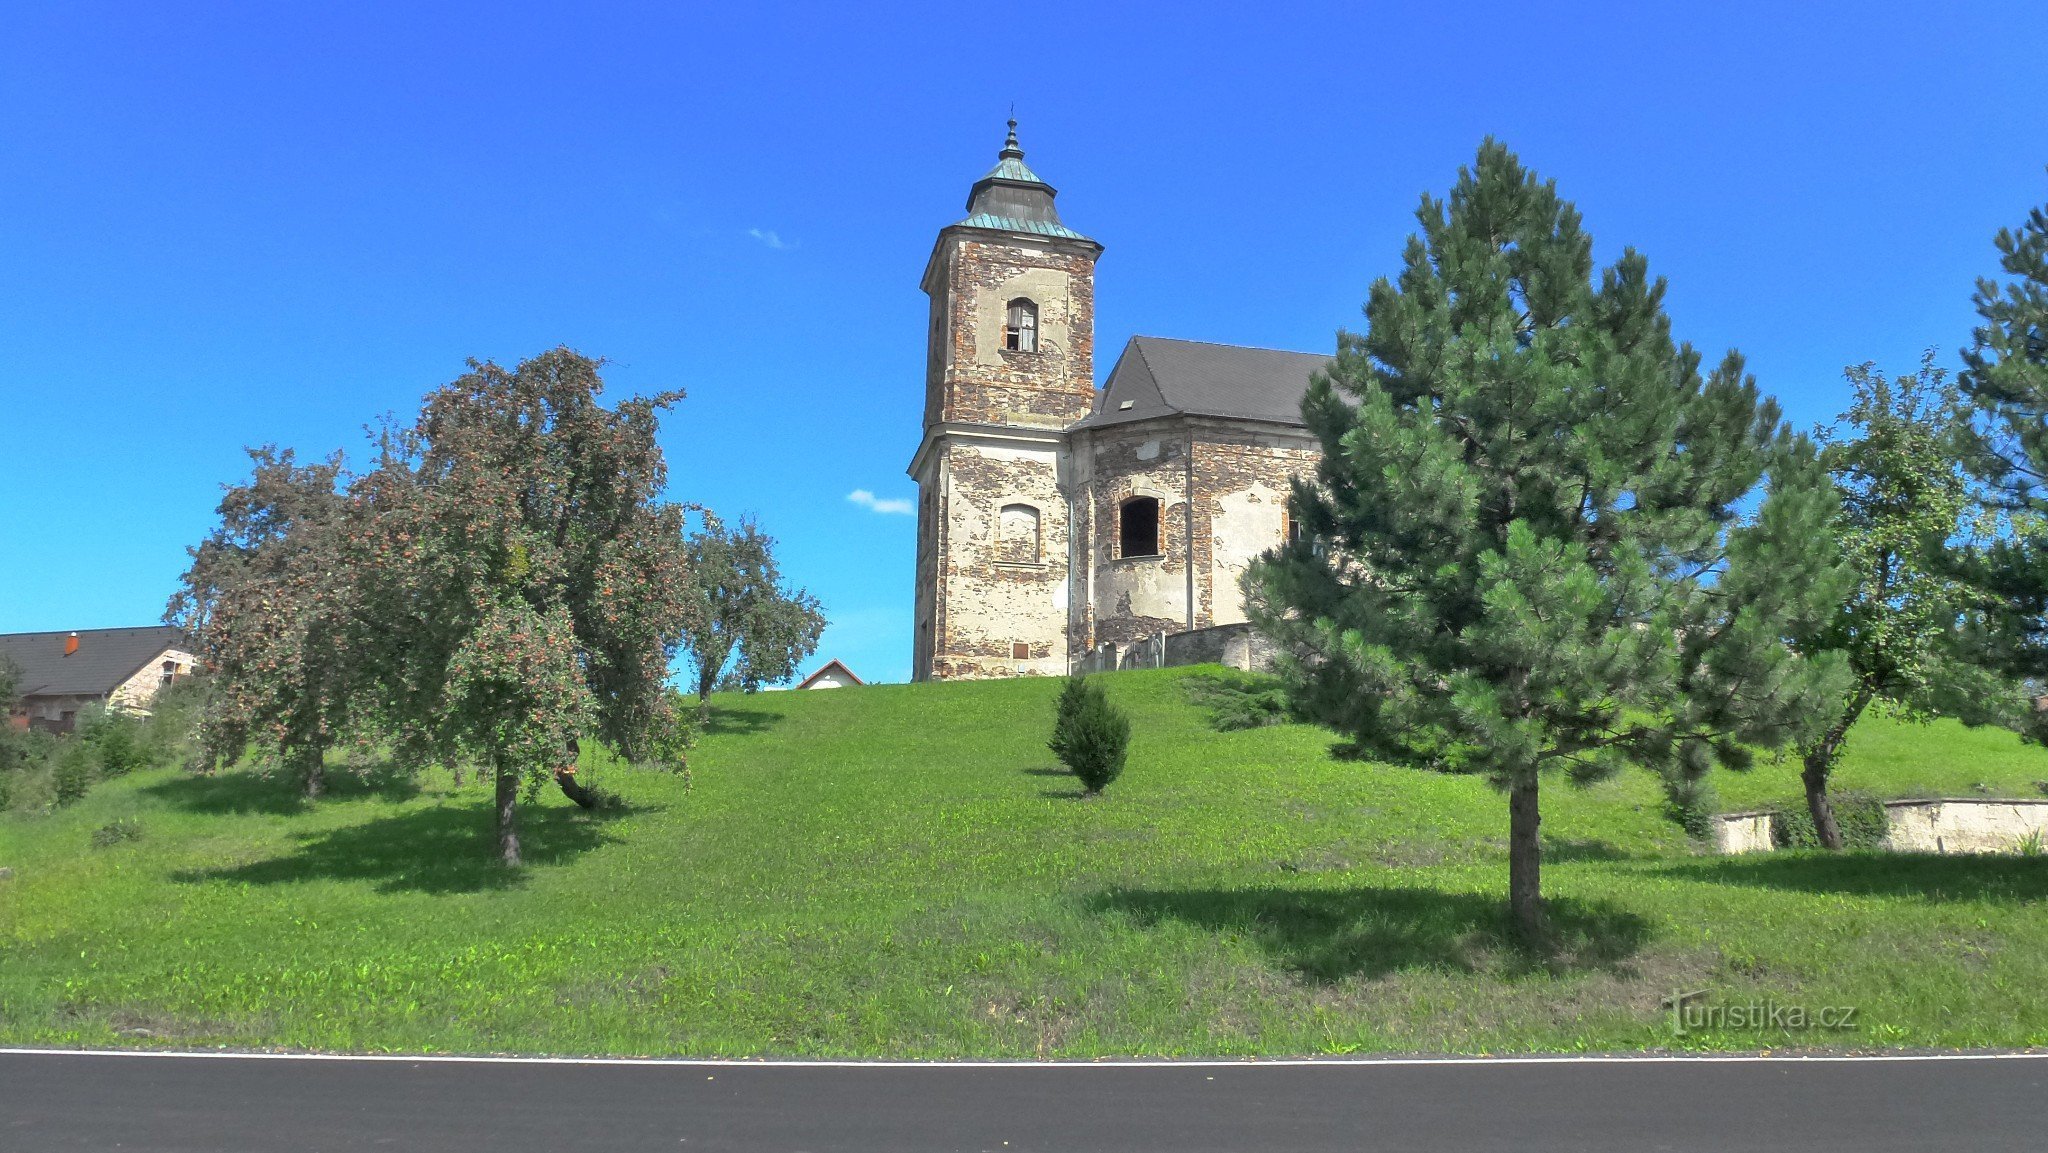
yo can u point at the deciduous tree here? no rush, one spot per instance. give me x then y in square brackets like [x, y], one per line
[1535, 541]
[525, 579]
[1905, 500]
[746, 630]
[269, 602]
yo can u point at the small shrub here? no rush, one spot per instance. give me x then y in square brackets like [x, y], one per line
[1090, 735]
[1237, 700]
[74, 771]
[125, 829]
[1692, 805]
[2031, 845]
[116, 739]
[1860, 816]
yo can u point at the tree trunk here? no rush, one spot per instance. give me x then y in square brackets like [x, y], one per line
[508, 815]
[1815, 776]
[1525, 859]
[566, 778]
[313, 770]
[1819, 760]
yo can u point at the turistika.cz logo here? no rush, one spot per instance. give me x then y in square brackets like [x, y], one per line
[1691, 1014]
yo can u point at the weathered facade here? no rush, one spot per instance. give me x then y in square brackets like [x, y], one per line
[1053, 518]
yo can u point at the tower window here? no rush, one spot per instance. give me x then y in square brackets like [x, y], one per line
[1290, 528]
[1017, 534]
[1020, 327]
[1138, 527]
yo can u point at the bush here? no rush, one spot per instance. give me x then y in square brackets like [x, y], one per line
[74, 771]
[116, 739]
[1238, 700]
[125, 829]
[1692, 805]
[1090, 735]
[1860, 816]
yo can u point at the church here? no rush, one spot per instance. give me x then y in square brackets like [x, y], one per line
[1058, 523]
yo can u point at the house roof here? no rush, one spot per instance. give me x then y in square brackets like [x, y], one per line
[105, 658]
[827, 667]
[1162, 377]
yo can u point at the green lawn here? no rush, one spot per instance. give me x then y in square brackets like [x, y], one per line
[899, 871]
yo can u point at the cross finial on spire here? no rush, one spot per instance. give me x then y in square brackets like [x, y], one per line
[1010, 147]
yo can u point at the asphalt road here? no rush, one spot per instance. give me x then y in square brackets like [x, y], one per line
[60, 1101]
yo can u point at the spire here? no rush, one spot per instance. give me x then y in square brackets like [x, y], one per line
[1013, 198]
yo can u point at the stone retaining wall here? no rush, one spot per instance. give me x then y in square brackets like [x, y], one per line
[1938, 825]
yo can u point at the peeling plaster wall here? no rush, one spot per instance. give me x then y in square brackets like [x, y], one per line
[1134, 597]
[1002, 593]
[970, 375]
[1237, 475]
[994, 436]
[1242, 478]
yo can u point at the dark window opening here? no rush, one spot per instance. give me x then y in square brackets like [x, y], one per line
[1290, 528]
[1138, 527]
[1020, 327]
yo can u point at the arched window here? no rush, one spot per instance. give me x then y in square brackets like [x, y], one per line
[1138, 527]
[1017, 534]
[1020, 327]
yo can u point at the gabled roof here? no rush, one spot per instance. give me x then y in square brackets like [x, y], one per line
[827, 667]
[1162, 377]
[105, 658]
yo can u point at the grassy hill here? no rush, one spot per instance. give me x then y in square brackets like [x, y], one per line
[899, 870]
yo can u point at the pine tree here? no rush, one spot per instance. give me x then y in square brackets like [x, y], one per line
[1533, 541]
[1090, 736]
[2005, 379]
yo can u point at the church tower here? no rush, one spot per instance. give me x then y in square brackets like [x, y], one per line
[1010, 364]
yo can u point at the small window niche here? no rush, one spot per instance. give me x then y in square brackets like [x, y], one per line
[1290, 527]
[1019, 651]
[1138, 527]
[1020, 326]
[1017, 540]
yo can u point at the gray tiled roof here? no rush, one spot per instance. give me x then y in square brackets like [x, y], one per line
[105, 658]
[1162, 377]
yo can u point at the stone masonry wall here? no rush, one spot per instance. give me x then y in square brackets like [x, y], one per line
[972, 377]
[1002, 587]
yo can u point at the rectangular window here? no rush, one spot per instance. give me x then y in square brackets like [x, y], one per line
[1138, 527]
[1020, 651]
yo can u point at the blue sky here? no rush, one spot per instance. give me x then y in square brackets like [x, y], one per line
[239, 224]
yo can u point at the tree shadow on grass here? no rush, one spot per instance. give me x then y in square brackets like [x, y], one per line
[723, 721]
[1925, 875]
[1041, 771]
[445, 849]
[1329, 935]
[1586, 850]
[242, 791]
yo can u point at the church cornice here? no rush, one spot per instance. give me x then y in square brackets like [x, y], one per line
[975, 432]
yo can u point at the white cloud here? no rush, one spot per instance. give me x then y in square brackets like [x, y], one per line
[873, 503]
[768, 237]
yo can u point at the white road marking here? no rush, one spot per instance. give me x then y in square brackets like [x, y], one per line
[1078, 1063]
